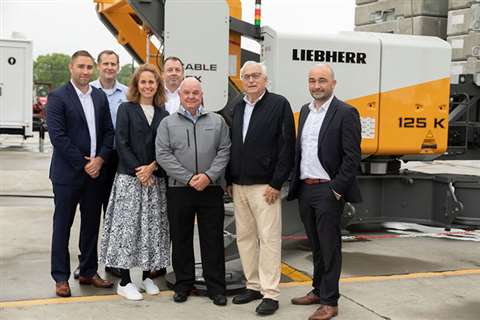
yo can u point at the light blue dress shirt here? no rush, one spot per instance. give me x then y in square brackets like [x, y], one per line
[115, 97]
[186, 113]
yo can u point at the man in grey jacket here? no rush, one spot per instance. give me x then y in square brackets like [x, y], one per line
[193, 146]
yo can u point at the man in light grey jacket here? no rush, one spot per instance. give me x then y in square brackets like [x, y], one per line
[193, 147]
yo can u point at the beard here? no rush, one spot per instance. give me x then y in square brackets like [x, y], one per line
[320, 95]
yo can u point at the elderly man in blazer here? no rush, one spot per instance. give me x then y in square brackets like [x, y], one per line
[81, 131]
[263, 139]
[327, 160]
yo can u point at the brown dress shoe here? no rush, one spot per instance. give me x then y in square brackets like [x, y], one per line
[96, 281]
[324, 313]
[309, 298]
[62, 289]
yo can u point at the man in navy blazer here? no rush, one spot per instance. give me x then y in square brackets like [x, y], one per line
[327, 160]
[81, 131]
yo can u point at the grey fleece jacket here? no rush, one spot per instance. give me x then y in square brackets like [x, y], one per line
[184, 149]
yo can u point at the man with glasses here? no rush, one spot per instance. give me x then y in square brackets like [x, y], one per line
[263, 138]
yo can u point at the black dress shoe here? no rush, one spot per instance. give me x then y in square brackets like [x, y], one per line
[247, 296]
[117, 272]
[180, 297]
[76, 273]
[267, 307]
[219, 300]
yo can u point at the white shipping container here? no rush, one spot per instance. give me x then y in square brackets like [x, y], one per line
[16, 83]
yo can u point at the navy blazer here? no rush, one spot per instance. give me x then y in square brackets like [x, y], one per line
[135, 138]
[68, 132]
[338, 150]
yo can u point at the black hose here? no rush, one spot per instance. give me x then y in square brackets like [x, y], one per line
[26, 196]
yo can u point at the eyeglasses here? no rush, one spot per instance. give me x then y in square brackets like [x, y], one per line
[253, 76]
[319, 81]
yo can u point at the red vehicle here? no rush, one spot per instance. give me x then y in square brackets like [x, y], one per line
[41, 91]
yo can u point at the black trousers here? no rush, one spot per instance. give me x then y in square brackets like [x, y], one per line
[321, 213]
[183, 203]
[66, 198]
[110, 170]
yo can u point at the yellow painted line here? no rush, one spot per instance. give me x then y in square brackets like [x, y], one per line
[48, 301]
[294, 274]
[302, 280]
[295, 284]
[36, 302]
[418, 275]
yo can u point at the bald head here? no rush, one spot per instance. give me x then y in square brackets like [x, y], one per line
[190, 81]
[326, 68]
[321, 83]
[191, 94]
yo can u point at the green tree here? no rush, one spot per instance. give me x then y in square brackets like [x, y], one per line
[52, 68]
[125, 74]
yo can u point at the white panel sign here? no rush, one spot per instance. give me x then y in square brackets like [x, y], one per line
[289, 57]
[201, 43]
[410, 60]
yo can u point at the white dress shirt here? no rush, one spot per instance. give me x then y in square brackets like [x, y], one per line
[89, 110]
[310, 166]
[247, 114]
[173, 101]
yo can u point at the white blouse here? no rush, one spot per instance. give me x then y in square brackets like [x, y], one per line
[149, 112]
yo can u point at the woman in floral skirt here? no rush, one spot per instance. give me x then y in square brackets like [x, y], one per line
[136, 232]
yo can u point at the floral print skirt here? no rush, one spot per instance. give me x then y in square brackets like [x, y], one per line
[136, 231]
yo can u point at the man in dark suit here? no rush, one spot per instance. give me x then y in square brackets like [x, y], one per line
[108, 66]
[327, 160]
[81, 131]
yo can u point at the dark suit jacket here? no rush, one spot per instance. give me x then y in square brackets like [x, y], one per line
[338, 150]
[68, 132]
[135, 139]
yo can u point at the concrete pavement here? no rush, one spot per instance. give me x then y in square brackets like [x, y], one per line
[406, 272]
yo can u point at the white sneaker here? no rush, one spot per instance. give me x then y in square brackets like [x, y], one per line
[129, 291]
[149, 287]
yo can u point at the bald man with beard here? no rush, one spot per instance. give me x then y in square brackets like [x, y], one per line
[327, 161]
